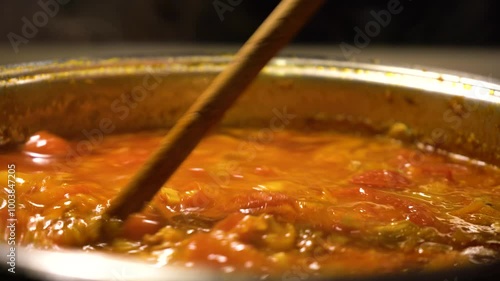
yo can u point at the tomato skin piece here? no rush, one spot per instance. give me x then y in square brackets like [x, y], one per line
[413, 211]
[45, 143]
[198, 200]
[383, 179]
[138, 225]
[425, 165]
[404, 208]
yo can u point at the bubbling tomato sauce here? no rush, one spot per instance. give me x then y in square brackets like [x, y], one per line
[320, 203]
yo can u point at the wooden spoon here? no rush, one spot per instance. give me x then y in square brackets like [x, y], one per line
[274, 33]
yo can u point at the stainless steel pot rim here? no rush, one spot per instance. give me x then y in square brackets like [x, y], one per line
[429, 79]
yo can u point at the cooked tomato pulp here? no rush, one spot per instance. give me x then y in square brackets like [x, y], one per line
[290, 202]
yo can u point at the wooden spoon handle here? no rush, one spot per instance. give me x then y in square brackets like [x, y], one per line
[274, 33]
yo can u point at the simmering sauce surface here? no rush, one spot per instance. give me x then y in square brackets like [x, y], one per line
[292, 203]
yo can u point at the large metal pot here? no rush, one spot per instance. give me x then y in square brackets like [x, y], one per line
[454, 112]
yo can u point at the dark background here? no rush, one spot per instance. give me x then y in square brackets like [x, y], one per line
[422, 22]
